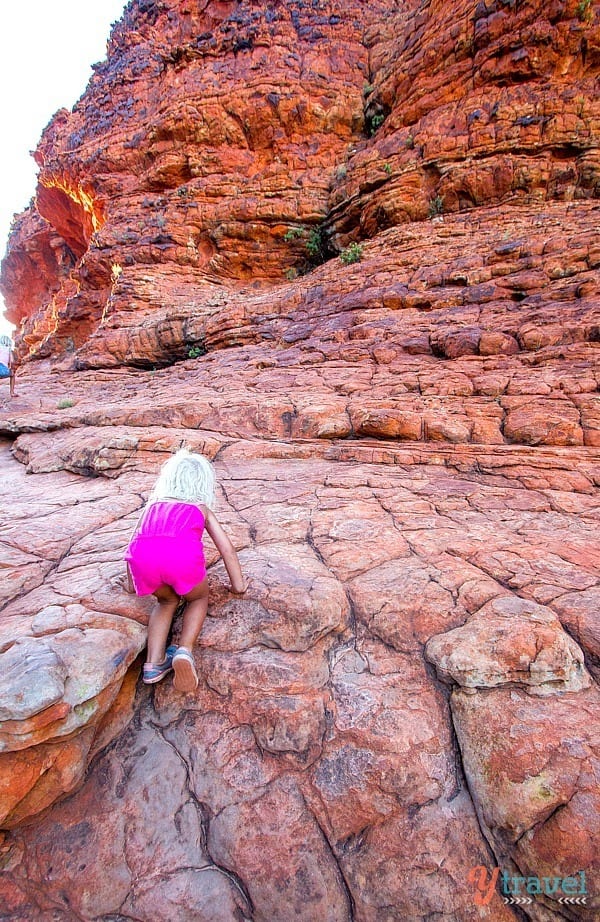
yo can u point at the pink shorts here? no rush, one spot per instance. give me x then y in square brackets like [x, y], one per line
[158, 561]
[167, 549]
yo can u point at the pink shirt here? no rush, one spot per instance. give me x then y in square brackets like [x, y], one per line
[167, 549]
[171, 519]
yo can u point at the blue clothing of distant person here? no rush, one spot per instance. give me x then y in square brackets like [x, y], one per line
[7, 363]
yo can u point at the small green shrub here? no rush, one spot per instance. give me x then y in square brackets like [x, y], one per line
[374, 122]
[196, 351]
[294, 233]
[64, 403]
[436, 206]
[388, 168]
[352, 254]
[315, 243]
[584, 11]
[410, 142]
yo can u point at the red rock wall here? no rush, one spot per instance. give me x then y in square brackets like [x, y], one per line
[211, 132]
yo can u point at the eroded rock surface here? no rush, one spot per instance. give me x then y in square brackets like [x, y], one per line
[408, 453]
[318, 755]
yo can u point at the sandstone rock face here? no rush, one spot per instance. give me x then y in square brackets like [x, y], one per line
[349, 252]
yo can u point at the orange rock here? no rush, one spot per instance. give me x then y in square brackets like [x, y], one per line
[538, 786]
[510, 642]
[543, 423]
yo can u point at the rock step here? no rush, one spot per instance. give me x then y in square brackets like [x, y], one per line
[109, 451]
[531, 419]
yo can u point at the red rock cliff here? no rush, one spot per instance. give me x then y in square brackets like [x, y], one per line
[349, 251]
[215, 132]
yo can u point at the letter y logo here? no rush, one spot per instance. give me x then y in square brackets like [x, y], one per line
[484, 882]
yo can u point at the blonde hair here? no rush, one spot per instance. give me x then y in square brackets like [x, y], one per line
[187, 477]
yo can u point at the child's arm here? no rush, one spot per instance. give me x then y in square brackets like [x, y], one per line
[227, 552]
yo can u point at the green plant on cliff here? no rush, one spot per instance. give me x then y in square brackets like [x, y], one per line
[194, 352]
[584, 11]
[436, 206]
[316, 245]
[315, 242]
[294, 233]
[351, 254]
[373, 123]
[64, 403]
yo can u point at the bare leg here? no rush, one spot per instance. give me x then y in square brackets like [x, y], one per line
[160, 623]
[186, 677]
[194, 615]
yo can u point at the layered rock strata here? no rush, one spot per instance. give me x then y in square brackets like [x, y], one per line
[244, 141]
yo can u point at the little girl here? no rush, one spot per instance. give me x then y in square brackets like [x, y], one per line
[165, 558]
